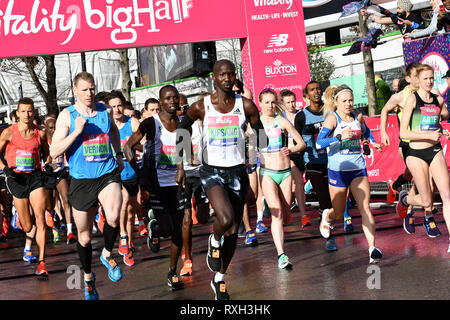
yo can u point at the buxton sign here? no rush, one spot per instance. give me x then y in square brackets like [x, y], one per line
[272, 31]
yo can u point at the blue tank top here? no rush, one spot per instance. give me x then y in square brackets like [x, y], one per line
[313, 124]
[125, 133]
[346, 155]
[90, 156]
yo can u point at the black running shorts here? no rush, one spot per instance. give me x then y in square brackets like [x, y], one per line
[193, 189]
[51, 180]
[132, 186]
[234, 180]
[83, 193]
[22, 184]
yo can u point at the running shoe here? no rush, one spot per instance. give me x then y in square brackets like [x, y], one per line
[186, 271]
[220, 290]
[241, 230]
[123, 245]
[49, 219]
[261, 228]
[41, 271]
[152, 242]
[348, 226]
[392, 193]
[100, 223]
[57, 221]
[375, 255]
[71, 238]
[90, 292]
[308, 187]
[431, 227]
[402, 207]
[250, 239]
[214, 257]
[128, 258]
[174, 281]
[306, 221]
[15, 222]
[283, 262]
[294, 207]
[56, 236]
[28, 257]
[408, 224]
[114, 272]
[143, 230]
[5, 225]
[325, 227]
[331, 244]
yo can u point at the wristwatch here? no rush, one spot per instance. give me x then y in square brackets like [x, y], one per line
[339, 137]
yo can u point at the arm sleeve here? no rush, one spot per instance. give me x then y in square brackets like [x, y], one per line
[429, 30]
[322, 139]
[299, 122]
[367, 134]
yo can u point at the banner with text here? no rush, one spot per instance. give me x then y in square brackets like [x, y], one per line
[388, 165]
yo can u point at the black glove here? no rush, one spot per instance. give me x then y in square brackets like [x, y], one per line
[8, 172]
[48, 168]
[366, 148]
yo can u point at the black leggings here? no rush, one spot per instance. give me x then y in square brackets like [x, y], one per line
[167, 204]
[318, 175]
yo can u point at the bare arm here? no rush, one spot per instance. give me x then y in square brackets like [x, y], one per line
[61, 141]
[301, 145]
[392, 103]
[134, 127]
[145, 127]
[5, 138]
[45, 147]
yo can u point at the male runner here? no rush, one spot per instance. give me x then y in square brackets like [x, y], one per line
[87, 133]
[158, 177]
[130, 184]
[223, 173]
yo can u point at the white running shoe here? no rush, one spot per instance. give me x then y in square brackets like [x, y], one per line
[325, 227]
[375, 255]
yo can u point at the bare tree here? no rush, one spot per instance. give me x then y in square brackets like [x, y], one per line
[125, 70]
[49, 95]
[368, 67]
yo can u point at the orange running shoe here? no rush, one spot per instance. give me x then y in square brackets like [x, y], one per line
[5, 225]
[123, 245]
[306, 221]
[392, 193]
[143, 232]
[128, 259]
[41, 271]
[401, 209]
[71, 238]
[49, 219]
[186, 271]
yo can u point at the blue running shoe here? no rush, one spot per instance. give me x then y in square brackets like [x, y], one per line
[114, 272]
[408, 224]
[348, 226]
[90, 293]
[431, 227]
[28, 257]
[261, 228]
[331, 245]
[283, 262]
[308, 187]
[250, 239]
[15, 223]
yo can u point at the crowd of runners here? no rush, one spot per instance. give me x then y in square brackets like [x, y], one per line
[101, 166]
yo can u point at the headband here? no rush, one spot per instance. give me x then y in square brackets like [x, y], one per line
[342, 90]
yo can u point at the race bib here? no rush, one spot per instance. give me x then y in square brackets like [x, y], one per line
[25, 161]
[275, 140]
[166, 159]
[223, 131]
[96, 147]
[351, 146]
[429, 118]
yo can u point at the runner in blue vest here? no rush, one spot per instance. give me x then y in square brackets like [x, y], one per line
[86, 132]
